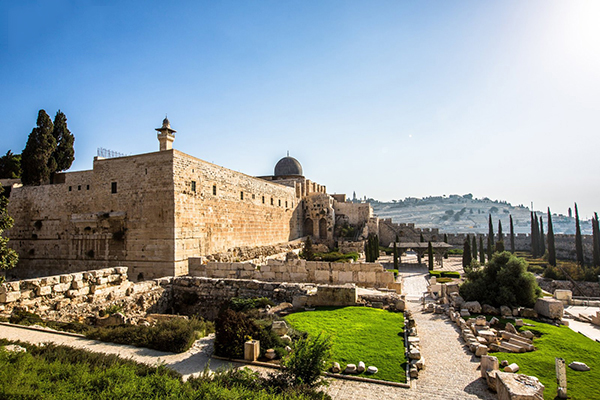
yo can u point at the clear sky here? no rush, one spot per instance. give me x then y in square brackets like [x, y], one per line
[386, 98]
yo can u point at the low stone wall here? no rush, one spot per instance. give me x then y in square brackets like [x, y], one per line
[587, 289]
[73, 296]
[362, 274]
[349, 247]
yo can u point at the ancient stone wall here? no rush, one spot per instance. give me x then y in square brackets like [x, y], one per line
[217, 209]
[319, 217]
[388, 231]
[73, 296]
[150, 212]
[583, 289]
[362, 274]
[564, 244]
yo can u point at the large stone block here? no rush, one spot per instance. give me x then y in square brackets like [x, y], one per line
[9, 297]
[44, 290]
[549, 308]
[518, 387]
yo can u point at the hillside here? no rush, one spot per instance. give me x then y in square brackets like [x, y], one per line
[465, 214]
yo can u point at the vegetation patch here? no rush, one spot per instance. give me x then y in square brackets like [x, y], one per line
[336, 256]
[550, 342]
[373, 336]
[59, 372]
[445, 274]
[176, 335]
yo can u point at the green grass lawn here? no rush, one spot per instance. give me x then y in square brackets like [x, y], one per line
[360, 334]
[559, 342]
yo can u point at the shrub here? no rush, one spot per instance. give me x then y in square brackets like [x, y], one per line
[307, 361]
[503, 281]
[241, 304]
[176, 335]
[232, 330]
[455, 251]
[536, 269]
[335, 256]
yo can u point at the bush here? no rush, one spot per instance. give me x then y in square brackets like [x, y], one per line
[232, 330]
[241, 304]
[335, 256]
[307, 361]
[176, 335]
[456, 251]
[445, 274]
[503, 281]
[536, 269]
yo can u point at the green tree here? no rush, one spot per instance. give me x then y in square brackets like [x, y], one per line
[36, 160]
[8, 257]
[490, 231]
[474, 252]
[396, 263]
[542, 239]
[500, 234]
[430, 256]
[307, 362]
[512, 236]
[65, 153]
[503, 281]
[578, 239]
[481, 251]
[551, 248]
[422, 239]
[466, 259]
[596, 240]
[499, 248]
[445, 238]
[308, 253]
[10, 166]
[490, 250]
[535, 236]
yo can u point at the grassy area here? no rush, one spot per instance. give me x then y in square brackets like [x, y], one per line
[62, 373]
[360, 334]
[560, 342]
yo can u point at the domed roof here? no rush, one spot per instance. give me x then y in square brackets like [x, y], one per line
[288, 166]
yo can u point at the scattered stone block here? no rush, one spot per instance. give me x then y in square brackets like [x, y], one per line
[490, 310]
[270, 354]
[335, 367]
[527, 334]
[482, 350]
[488, 363]
[372, 370]
[511, 368]
[15, 348]
[518, 387]
[280, 328]
[480, 321]
[549, 308]
[413, 372]
[510, 328]
[494, 321]
[561, 378]
[579, 366]
[528, 313]
[473, 307]
[9, 297]
[360, 367]
[505, 311]
[465, 313]
[251, 350]
[519, 323]
[350, 369]
[491, 379]
[286, 339]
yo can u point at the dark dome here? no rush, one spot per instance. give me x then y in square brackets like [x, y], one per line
[288, 166]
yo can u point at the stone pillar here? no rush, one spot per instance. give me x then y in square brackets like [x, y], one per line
[251, 350]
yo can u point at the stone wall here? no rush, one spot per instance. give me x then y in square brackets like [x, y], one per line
[388, 231]
[564, 244]
[150, 211]
[362, 274]
[586, 289]
[74, 296]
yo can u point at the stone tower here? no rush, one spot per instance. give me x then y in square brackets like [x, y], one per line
[166, 135]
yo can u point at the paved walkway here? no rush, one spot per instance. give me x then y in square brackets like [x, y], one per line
[191, 362]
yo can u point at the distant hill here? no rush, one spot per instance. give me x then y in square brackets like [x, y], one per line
[465, 214]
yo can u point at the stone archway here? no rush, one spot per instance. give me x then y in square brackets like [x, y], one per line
[322, 228]
[308, 227]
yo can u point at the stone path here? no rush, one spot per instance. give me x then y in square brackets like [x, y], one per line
[191, 362]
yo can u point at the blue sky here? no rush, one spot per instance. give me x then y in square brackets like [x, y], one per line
[388, 99]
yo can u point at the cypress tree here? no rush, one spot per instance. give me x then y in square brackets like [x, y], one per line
[596, 240]
[500, 234]
[36, 160]
[542, 239]
[64, 153]
[551, 248]
[395, 256]
[512, 236]
[422, 239]
[474, 248]
[309, 255]
[489, 248]
[466, 260]
[376, 247]
[481, 251]
[430, 256]
[445, 238]
[491, 231]
[578, 240]
[534, 236]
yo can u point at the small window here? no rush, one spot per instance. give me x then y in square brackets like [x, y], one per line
[271, 201]
[241, 195]
[113, 187]
[194, 186]
[79, 187]
[70, 188]
[286, 204]
[253, 196]
[214, 190]
[88, 187]
[279, 202]
[263, 198]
